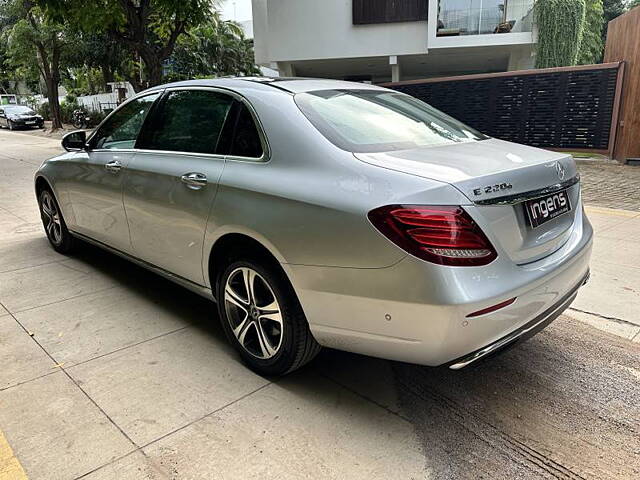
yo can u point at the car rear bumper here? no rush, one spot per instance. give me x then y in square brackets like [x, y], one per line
[522, 333]
[417, 312]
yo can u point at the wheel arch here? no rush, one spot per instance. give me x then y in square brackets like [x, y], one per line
[233, 245]
[40, 184]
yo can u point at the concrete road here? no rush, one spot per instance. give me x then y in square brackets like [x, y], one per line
[109, 372]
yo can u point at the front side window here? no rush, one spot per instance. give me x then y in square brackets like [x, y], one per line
[380, 121]
[188, 121]
[121, 130]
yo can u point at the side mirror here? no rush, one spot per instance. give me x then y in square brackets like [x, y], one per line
[75, 141]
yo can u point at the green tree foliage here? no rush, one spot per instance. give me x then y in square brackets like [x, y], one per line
[148, 28]
[85, 45]
[7, 72]
[592, 44]
[94, 60]
[12, 72]
[612, 9]
[34, 39]
[215, 48]
[560, 26]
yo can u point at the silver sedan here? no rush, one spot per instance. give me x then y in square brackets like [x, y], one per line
[320, 212]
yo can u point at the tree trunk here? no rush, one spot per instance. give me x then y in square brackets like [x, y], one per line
[90, 85]
[54, 104]
[154, 69]
[133, 79]
[51, 77]
[52, 91]
[107, 76]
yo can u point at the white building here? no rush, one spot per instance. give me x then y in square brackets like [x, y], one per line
[382, 40]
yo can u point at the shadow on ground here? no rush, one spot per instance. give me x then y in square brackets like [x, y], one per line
[179, 301]
[562, 405]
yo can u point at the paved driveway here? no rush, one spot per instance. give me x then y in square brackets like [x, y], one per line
[608, 184]
[110, 372]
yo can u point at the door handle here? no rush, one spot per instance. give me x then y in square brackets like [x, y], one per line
[113, 167]
[194, 180]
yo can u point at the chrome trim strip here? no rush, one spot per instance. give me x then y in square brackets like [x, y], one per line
[175, 152]
[547, 317]
[183, 282]
[530, 195]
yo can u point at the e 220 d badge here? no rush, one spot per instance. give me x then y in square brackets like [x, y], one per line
[492, 188]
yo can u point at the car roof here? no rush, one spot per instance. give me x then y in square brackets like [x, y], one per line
[285, 84]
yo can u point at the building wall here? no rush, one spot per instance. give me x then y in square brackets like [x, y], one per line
[318, 38]
[260, 32]
[290, 30]
[521, 58]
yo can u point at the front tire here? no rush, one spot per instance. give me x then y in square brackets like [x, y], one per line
[54, 226]
[11, 125]
[263, 319]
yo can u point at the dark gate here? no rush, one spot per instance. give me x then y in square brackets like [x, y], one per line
[565, 108]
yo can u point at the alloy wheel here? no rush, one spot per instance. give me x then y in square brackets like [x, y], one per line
[253, 313]
[51, 218]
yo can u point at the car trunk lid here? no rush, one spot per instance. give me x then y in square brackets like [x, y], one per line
[497, 177]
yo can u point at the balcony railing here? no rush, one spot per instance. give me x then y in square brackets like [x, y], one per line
[475, 17]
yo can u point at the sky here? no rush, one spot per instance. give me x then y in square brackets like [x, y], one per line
[242, 10]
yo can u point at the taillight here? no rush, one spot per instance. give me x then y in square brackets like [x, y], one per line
[446, 235]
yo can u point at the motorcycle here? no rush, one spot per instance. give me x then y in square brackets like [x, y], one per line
[80, 118]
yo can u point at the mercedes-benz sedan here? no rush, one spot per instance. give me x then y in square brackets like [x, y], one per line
[320, 212]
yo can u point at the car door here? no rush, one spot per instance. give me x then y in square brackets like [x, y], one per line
[95, 185]
[3, 118]
[172, 181]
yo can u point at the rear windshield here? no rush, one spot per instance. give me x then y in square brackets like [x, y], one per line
[380, 121]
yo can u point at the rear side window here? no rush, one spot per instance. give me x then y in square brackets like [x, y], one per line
[188, 121]
[246, 140]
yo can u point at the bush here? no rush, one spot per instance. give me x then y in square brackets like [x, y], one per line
[67, 107]
[96, 118]
[44, 111]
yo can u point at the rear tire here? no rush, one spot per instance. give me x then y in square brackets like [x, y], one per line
[54, 225]
[264, 322]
